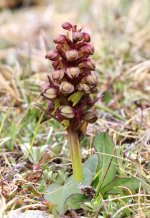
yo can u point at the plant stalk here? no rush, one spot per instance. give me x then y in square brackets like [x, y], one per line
[75, 154]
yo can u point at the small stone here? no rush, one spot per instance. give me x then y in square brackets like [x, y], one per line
[29, 214]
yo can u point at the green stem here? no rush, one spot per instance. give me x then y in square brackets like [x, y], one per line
[75, 155]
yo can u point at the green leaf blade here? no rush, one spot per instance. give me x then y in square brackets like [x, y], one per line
[130, 183]
[107, 160]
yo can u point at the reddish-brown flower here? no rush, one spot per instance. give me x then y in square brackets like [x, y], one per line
[71, 85]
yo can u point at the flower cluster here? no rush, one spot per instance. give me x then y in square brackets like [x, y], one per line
[70, 86]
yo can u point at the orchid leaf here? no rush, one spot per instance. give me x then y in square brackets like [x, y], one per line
[107, 161]
[76, 97]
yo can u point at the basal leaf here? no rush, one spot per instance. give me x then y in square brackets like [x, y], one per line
[107, 162]
[113, 187]
[74, 201]
[58, 194]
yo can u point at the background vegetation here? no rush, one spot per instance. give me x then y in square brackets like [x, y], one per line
[33, 151]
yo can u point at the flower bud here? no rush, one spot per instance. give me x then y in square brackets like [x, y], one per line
[89, 65]
[52, 55]
[66, 26]
[60, 39]
[71, 55]
[72, 72]
[86, 37]
[87, 49]
[66, 87]
[66, 111]
[50, 93]
[91, 79]
[90, 116]
[77, 36]
[83, 87]
[57, 74]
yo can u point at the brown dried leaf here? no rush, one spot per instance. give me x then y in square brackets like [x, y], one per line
[8, 83]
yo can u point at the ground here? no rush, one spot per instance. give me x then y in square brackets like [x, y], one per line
[120, 32]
